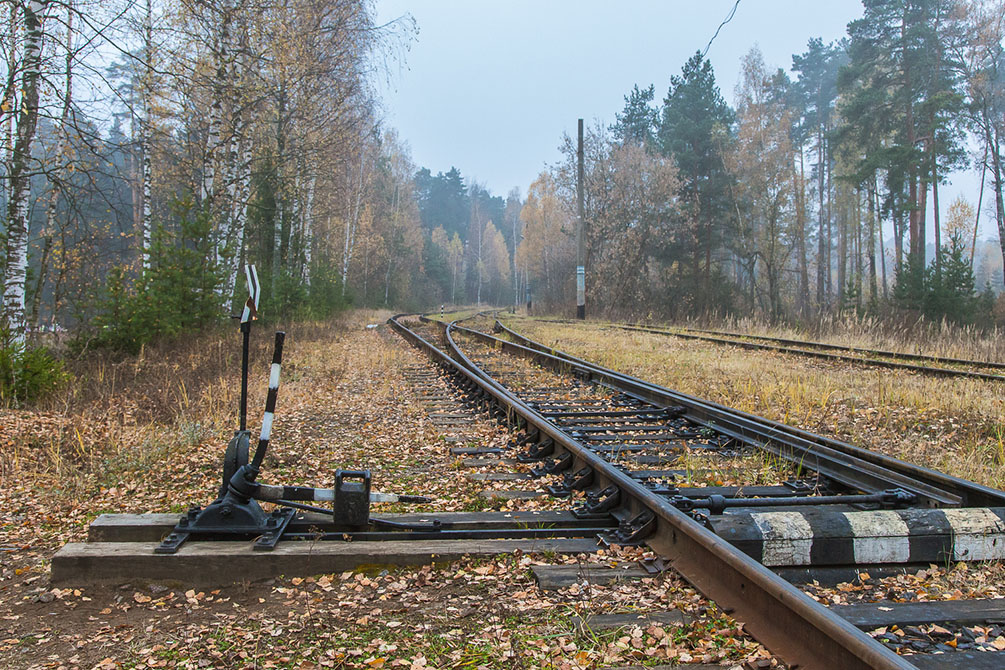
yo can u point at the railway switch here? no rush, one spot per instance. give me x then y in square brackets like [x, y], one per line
[236, 513]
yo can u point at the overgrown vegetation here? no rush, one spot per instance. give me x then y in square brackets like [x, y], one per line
[29, 374]
[945, 291]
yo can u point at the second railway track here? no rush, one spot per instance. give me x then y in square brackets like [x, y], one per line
[615, 445]
[942, 366]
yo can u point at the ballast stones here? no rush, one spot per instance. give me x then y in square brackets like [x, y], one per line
[832, 537]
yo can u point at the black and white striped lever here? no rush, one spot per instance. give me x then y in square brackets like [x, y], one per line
[270, 404]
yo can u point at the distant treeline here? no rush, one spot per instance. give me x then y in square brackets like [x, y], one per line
[777, 203]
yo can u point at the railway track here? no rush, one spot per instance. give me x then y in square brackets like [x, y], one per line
[615, 443]
[612, 457]
[920, 363]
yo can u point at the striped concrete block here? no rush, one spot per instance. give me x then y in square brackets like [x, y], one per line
[831, 537]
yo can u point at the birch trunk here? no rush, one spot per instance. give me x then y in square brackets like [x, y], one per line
[18, 207]
[10, 92]
[350, 227]
[146, 210]
[226, 253]
[240, 217]
[221, 53]
[277, 224]
[308, 232]
[296, 234]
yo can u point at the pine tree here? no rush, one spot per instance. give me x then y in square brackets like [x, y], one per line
[695, 125]
[638, 120]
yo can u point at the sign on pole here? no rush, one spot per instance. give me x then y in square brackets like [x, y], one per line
[254, 290]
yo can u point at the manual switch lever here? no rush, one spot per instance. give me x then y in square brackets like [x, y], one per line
[351, 504]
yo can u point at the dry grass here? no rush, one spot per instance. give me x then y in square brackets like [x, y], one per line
[954, 425]
[941, 339]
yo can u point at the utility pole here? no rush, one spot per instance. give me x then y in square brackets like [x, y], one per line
[580, 233]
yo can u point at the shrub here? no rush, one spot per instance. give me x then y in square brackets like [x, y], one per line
[948, 294]
[179, 292]
[28, 374]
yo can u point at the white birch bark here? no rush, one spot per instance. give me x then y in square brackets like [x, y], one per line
[296, 228]
[308, 232]
[146, 209]
[350, 227]
[240, 216]
[225, 245]
[221, 53]
[277, 242]
[10, 96]
[20, 176]
[238, 178]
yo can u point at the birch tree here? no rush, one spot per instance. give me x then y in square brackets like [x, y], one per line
[19, 173]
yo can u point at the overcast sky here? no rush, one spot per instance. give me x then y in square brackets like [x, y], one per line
[489, 87]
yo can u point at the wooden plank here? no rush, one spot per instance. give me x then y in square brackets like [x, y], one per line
[487, 462]
[472, 451]
[959, 660]
[832, 575]
[463, 438]
[689, 666]
[498, 476]
[601, 623]
[657, 474]
[210, 563]
[152, 527]
[492, 494]
[554, 577]
[961, 612]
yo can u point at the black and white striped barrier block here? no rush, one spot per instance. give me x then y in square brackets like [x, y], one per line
[828, 537]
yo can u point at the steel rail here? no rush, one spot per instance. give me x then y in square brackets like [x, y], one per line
[943, 489]
[843, 468]
[783, 618]
[858, 350]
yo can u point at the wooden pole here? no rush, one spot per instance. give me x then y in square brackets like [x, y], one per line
[580, 233]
